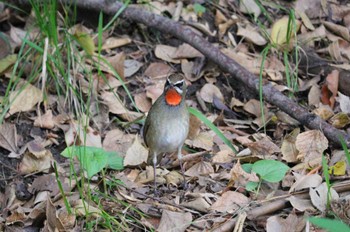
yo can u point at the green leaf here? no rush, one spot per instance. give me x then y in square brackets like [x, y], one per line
[115, 161]
[251, 186]
[247, 168]
[270, 170]
[209, 124]
[94, 159]
[330, 225]
[199, 9]
[85, 41]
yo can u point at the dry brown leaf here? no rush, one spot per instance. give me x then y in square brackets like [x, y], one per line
[113, 102]
[30, 163]
[344, 102]
[199, 169]
[224, 156]
[174, 178]
[24, 99]
[311, 145]
[288, 148]
[131, 67]
[158, 70]
[45, 121]
[117, 140]
[338, 30]
[53, 222]
[117, 62]
[332, 81]
[253, 107]
[113, 42]
[166, 53]
[277, 223]
[229, 202]
[194, 127]
[8, 137]
[198, 204]
[250, 7]
[142, 102]
[203, 140]
[314, 95]
[305, 181]
[319, 196]
[239, 177]
[83, 208]
[78, 134]
[263, 148]
[251, 34]
[186, 51]
[209, 91]
[154, 91]
[174, 221]
[301, 204]
[324, 111]
[136, 154]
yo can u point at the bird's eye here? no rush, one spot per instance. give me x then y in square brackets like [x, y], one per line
[179, 84]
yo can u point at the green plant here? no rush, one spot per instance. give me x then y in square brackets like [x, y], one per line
[199, 9]
[329, 224]
[268, 170]
[94, 159]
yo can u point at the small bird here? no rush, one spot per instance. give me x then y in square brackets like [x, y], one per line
[167, 123]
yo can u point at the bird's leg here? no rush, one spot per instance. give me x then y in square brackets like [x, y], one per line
[179, 156]
[154, 173]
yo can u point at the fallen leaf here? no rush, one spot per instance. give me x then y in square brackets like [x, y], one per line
[344, 102]
[117, 140]
[166, 53]
[112, 100]
[113, 42]
[131, 67]
[142, 102]
[158, 70]
[280, 29]
[331, 85]
[8, 137]
[45, 121]
[319, 196]
[305, 181]
[288, 148]
[136, 154]
[311, 145]
[229, 202]
[174, 221]
[199, 169]
[277, 223]
[24, 98]
[209, 91]
[263, 148]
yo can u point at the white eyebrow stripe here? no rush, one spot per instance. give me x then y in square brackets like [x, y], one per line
[178, 82]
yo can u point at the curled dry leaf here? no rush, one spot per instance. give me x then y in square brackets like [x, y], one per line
[154, 91]
[251, 34]
[199, 204]
[288, 148]
[311, 144]
[229, 202]
[208, 91]
[30, 163]
[331, 85]
[253, 107]
[239, 177]
[136, 154]
[24, 98]
[45, 121]
[113, 42]
[305, 181]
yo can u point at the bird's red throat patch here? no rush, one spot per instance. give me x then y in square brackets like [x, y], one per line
[172, 97]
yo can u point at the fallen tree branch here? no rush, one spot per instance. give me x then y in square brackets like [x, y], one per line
[239, 74]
